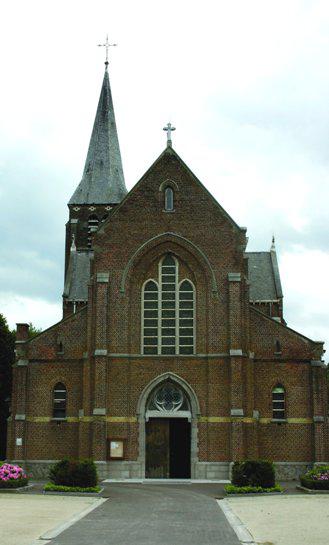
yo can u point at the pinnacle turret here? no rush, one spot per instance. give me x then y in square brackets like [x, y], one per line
[102, 181]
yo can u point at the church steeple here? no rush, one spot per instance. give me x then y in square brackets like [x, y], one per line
[102, 188]
[102, 181]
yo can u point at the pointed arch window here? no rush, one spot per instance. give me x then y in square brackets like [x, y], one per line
[150, 316]
[186, 317]
[278, 402]
[59, 401]
[168, 312]
[169, 198]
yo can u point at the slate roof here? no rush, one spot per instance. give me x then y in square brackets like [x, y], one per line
[102, 181]
[77, 277]
[264, 277]
[263, 273]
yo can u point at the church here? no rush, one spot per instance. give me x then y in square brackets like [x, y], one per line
[173, 358]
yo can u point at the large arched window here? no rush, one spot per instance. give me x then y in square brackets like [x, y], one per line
[278, 403]
[168, 312]
[59, 401]
[169, 198]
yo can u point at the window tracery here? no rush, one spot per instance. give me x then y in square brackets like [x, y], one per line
[168, 312]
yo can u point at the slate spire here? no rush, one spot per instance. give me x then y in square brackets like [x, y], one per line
[102, 180]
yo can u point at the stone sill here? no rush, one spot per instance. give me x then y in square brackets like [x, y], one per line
[279, 420]
[59, 419]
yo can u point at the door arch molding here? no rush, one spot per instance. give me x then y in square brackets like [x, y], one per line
[195, 413]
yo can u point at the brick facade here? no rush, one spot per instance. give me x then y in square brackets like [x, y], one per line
[96, 351]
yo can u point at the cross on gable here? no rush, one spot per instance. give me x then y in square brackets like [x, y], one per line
[169, 128]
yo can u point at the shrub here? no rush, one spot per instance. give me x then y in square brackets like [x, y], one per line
[316, 478]
[232, 489]
[50, 487]
[81, 473]
[12, 476]
[253, 473]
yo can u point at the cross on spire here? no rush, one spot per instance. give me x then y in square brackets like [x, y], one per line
[107, 45]
[169, 128]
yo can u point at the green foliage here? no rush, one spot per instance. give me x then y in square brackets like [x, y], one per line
[14, 483]
[253, 473]
[316, 478]
[7, 358]
[50, 487]
[81, 473]
[33, 331]
[232, 489]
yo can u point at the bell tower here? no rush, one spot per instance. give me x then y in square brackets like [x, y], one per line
[101, 188]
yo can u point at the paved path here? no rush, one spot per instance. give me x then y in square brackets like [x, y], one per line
[24, 517]
[303, 519]
[153, 515]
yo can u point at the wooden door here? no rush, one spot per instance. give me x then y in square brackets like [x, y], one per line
[157, 449]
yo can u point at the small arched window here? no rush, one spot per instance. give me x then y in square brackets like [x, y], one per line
[278, 402]
[59, 401]
[93, 222]
[169, 198]
[278, 349]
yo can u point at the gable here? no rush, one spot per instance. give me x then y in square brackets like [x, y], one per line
[196, 216]
[71, 332]
[264, 332]
[170, 167]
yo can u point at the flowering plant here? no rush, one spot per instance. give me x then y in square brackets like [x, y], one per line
[320, 473]
[12, 476]
[316, 478]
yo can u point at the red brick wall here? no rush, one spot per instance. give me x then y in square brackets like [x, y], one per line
[215, 247]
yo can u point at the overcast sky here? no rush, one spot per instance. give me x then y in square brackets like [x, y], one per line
[245, 83]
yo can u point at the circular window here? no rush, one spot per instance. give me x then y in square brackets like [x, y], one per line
[168, 398]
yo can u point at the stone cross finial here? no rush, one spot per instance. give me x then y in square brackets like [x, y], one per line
[107, 45]
[273, 244]
[169, 128]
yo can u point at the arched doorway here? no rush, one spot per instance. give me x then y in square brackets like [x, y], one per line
[168, 428]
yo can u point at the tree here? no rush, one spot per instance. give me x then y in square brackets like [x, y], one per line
[7, 358]
[33, 331]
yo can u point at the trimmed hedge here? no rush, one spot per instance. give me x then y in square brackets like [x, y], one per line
[76, 473]
[316, 479]
[232, 489]
[259, 473]
[50, 487]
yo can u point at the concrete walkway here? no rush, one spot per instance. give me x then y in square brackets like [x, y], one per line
[153, 515]
[24, 517]
[285, 520]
